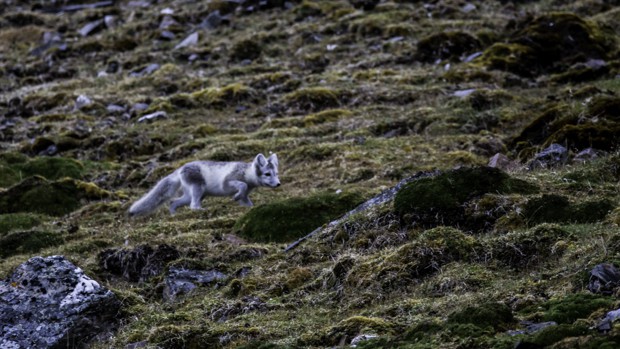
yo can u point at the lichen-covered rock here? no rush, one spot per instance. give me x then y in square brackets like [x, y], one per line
[138, 264]
[51, 303]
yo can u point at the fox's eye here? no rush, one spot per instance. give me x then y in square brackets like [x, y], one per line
[268, 174]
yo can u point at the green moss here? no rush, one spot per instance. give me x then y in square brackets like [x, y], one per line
[292, 218]
[27, 242]
[446, 45]
[554, 334]
[15, 168]
[325, 116]
[438, 200]
[522, 249]
[575, 306]
[220, 97]
[556, 208]
[14, 221]
[245, 49]
[313, 98]
[36, 194]
[495, 315]
[354, 326]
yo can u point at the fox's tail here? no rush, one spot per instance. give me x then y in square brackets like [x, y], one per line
[163, 191]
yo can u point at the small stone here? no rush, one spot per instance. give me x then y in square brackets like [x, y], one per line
[82, 101]
[91, 27]
[182, 281]
[472, 56]
[469, 7]
[153, 116]
[110, 21]
[191, 40]
[138, 107]
[586, 155]
[362, 338]
[167, 35]
[167, 11]
[463, 93]
[136, 3]
[149, 69]
[115, 109]
[213, 20]
[167, 22]
[502, 162]
[604, 279]
[553, 156]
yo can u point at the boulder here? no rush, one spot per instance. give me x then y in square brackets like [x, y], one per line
[50, 303]
[180, 281]
[604, 278]
[553, 156]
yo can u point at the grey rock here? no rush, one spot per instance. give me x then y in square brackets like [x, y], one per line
[532, 327]
[191, 40]
[115, 109]
[149, 69]
[50, 303]
[182, 281]
[167, 22]
[82, 101]
[502, 162]
[213, 20]
[553, 156]
[110, 21]
[153, 116]
[606, 324]
[604, 278]
[464, 93]
[469, 7]
[139, 3]
[362, 338]
[586, 155]
[91, 27]
[472, 56]
[167, 35]
[138, 107]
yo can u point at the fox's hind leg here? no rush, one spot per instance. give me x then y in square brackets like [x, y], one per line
[182, 201]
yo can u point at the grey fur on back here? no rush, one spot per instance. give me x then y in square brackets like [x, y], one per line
[163, 191]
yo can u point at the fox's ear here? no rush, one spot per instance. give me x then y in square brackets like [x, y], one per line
[273, 158]
[260, 160]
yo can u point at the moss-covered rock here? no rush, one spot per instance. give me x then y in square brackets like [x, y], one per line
[16, 167]
[245, 49]
[554, 334]
[439, 200]
[446, 45]
[27, 242]
[220, 97]
[292, 218]
[21, 221]
[568, 309]
[55, 198]
[495, 315]
[549, 43]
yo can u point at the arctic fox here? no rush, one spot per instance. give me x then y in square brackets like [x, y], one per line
[198, 179]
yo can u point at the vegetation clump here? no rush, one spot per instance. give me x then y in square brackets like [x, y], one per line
[439, 200]
[446, 46]
[33, 241]
[495, 315]
[16, 167]
[286, 220]
[220, 97]
[556, 208]
[313, 99]
[547, 44]
[14, 221]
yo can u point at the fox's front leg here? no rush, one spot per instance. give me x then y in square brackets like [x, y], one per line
[241, 195]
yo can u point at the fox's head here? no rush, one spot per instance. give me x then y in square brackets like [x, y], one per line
[267, 170]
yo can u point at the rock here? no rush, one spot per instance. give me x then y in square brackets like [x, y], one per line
[138, 107]
[606, 323]
[149, 69]
[139, 3]
[362, 338]
[167, 22]
[586, 155]
[82, 101]
[110, 21]
[469, 7]
[49, 303]
[604, 278]
[153, 116]
[91, 27]
[553, 156]
[214, 20]
[191, 40]
[502, 162]
[115, 109]
[138, 264]
[167, 35]
[464, 93]
[167, 11]
[182, 281]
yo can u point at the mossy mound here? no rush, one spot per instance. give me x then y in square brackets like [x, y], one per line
[495, 315]
[552, 208]
[446, 45]
[568, 309]
[313, 99]
[347, 329]
[220, 97]
[439, 200]
[15, 221]
[286, 220]
[553, 334]
[548, 44]
[325, 116]
[246, 49]
[54, 198]
[27, 242]
[523, 249]
[15, 167]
